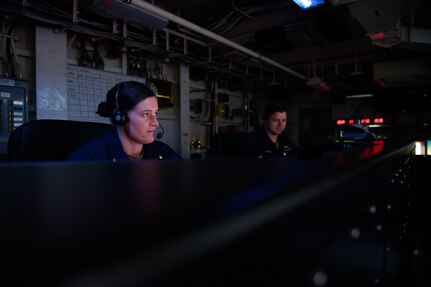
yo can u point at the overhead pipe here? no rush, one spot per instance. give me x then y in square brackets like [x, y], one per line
[182, 22]
[75, 18]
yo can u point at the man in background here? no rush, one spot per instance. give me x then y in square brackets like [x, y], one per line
[270, 140]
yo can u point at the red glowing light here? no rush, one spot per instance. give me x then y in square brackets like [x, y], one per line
[378, 120]
[372, 150]
[379, 35]
[108, 4]
[365, 121]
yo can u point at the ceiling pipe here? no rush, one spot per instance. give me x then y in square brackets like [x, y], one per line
[75, 18]
[182, 22]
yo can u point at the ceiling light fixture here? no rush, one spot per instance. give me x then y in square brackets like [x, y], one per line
[317, 83]
[359, 96]
[307, 4]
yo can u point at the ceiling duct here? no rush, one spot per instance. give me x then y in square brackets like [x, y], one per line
[376, 16]
[401, 35]
[381, 20]
[417, 36]
[119, 11]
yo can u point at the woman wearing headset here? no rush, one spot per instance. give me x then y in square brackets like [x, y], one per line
[133, 109]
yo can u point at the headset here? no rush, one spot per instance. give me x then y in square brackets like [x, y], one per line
[160, 134]
[119, 117]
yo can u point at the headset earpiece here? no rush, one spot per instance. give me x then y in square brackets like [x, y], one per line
[119, 117]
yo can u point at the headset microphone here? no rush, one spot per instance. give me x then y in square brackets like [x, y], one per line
[160, 134]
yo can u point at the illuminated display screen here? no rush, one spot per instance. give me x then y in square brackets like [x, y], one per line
[307, 4]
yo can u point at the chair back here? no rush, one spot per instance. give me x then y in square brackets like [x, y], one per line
[51, 140]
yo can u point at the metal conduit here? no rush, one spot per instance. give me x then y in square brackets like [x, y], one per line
[171, 17]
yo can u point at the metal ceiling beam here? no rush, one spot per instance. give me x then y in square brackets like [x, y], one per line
[147, 7]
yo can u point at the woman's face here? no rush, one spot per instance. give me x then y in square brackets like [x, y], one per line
[142, 122]
[276, 123]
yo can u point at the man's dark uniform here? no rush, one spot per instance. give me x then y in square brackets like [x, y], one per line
[258, 144]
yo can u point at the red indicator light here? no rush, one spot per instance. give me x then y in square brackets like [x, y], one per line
[378, 35]
[365, 121]
[378, 120]
[108, 4]
[351, 122]
[341, 122]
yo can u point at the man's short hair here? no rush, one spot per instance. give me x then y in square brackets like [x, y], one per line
[272, 107]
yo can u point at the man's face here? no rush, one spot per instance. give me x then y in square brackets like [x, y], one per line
[276, 123]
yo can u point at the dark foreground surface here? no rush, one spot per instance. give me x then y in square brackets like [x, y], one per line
[351, 218]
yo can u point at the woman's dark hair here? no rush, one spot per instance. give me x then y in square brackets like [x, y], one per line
[130, 93]
[272, 107]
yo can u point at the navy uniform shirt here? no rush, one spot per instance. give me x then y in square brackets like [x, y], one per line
[258, 144]
[109, 148]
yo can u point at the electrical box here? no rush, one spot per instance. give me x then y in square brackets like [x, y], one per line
[164, 91]
[13, 108]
